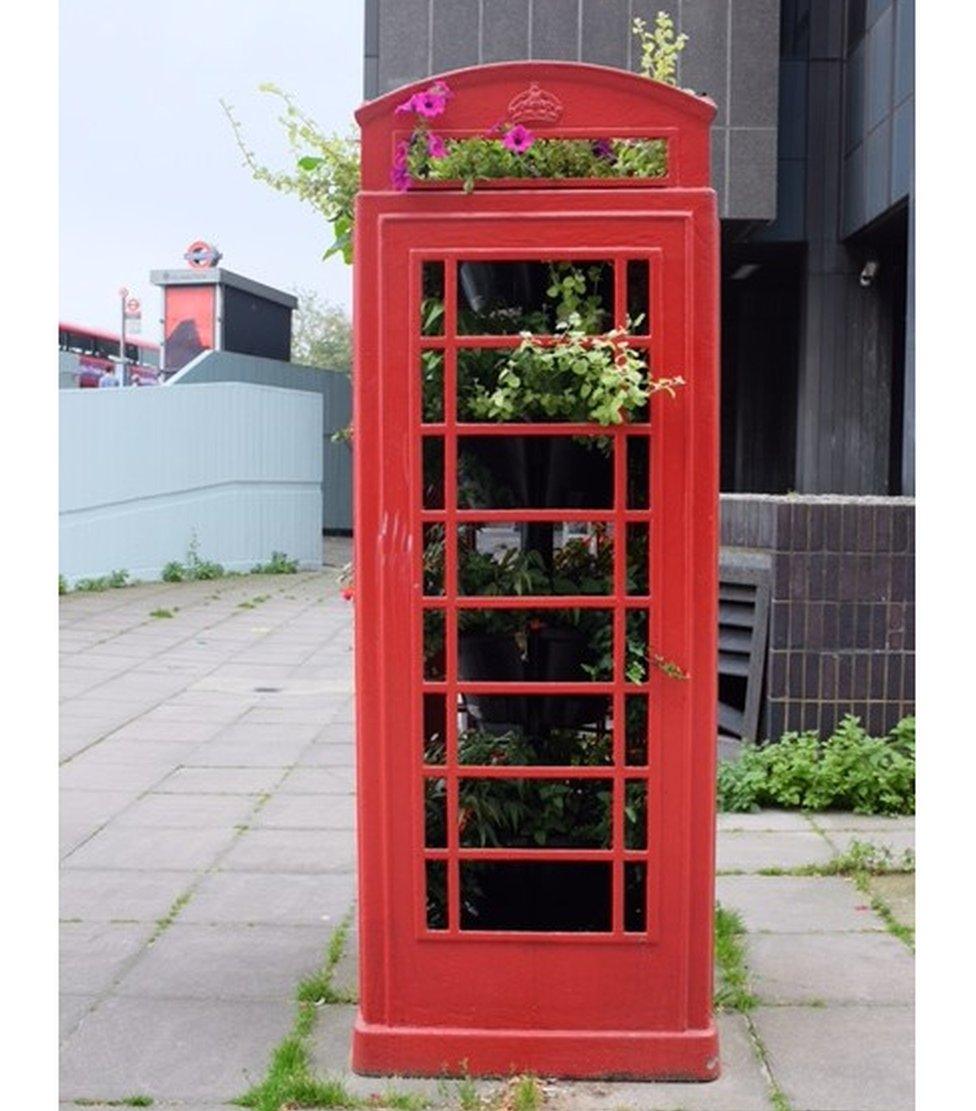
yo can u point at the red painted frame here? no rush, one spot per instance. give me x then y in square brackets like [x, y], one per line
[614, 1003]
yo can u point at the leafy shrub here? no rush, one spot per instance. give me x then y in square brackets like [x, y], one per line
[62, 585]
[278, 564]
[174, 572]
[111, 581]
[848, 771]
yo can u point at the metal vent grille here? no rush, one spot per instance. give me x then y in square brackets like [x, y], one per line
[743, 627]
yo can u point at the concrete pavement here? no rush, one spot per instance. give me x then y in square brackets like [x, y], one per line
[208, 848]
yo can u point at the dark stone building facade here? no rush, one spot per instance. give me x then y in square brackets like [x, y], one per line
[813, 163]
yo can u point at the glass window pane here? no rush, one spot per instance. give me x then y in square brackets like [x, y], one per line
[638, 472]
[432, 299]
[536, 896]
[511, 296]
[542, 558]
[436, 876]
[433, 559]
[435, 729]
[435, 813]
[433, 476]
[535, 472]
[635, 896]
[635, 814]
[434, 645]
[638, 297]
[635, 711]
[499, 730]
[547, 646]
[432, 386]
[637, 558]
[535, 813]
[636, 662]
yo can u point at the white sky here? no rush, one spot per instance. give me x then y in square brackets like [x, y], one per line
[148, 161]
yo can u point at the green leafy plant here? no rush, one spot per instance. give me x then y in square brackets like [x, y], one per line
[194, 569]
[327, 169]
[62, 585]
[732, 991]
[278, 564]
[112, 581]
[161, 613]
[660, 48]
[848, 771]
[572, 376]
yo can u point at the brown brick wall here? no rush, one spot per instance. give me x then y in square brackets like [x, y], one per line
[842, 613]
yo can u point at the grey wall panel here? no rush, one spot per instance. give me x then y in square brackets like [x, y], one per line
[555, 29]
[704, 64]
[455, 35]
[904, 49]
[605, 32]
[752, 190]
[855, 126]
[404, 42]
[878, 64]
[233, 466]
[877, 169]
[335, 390]
[719, 143]
[504, 30]
[903, 149]
[753, 85]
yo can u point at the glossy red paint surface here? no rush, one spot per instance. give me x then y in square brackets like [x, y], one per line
[614, 1001]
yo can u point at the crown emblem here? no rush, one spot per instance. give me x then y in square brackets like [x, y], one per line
[535, 105]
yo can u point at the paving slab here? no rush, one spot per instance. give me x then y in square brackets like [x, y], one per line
[841, 1058]
[215, 780]
[897, 841]
[93, 954]
[782, 820]
[106, 895]
[797, 904]
[81, 775]
[842, 968]
[292, 850]
[751, 850]
[185, 811]
[330, 812]
[274, 899]
[898, 891]
[840, 819]
[71, 1011]
[119, 847]
[244, 754]
[319, 781]
[319, 755]
[95, 807]
[171, 1049]
[225, 962]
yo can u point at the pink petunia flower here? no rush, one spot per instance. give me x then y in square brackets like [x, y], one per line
[429, 104]
[435, 145]
[518, 139]
[405, 108]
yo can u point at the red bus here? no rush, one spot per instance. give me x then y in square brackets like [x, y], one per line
[88, 352]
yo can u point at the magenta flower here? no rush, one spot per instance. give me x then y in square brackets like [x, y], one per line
[435, 145]
[518, 139]
[405, 108]
[429, 104]
[400, 174]
[603, 148]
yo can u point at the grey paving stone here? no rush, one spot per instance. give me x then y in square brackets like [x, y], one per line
[149, 728]
[331, 1040]
[333, 812]
[319, 755]
[898, 891]
[71, 835]
[842, 820]
[269, 733]
[171, 1049]
[106, 895]
[245, 754]
[319, 781]
[741, 1086]
[292, 850]
[841, 1058]
[161, 754]
[183, 811]
[797, 904]
[118, 847]
[269, 898]
[227, 962]
[833, 968]
[92, 954]
[749, 851]
[895, 840]
[93, 806]
[785, 820]
[71, 1011]
[210, 781]
[81, 775]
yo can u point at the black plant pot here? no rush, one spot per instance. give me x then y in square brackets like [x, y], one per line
[492, 657]
[578, 476]
[561, 654]
[539, 896]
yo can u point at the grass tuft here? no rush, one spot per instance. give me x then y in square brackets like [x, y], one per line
[732, 991]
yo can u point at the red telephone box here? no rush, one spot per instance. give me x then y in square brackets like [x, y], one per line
[536, 598]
